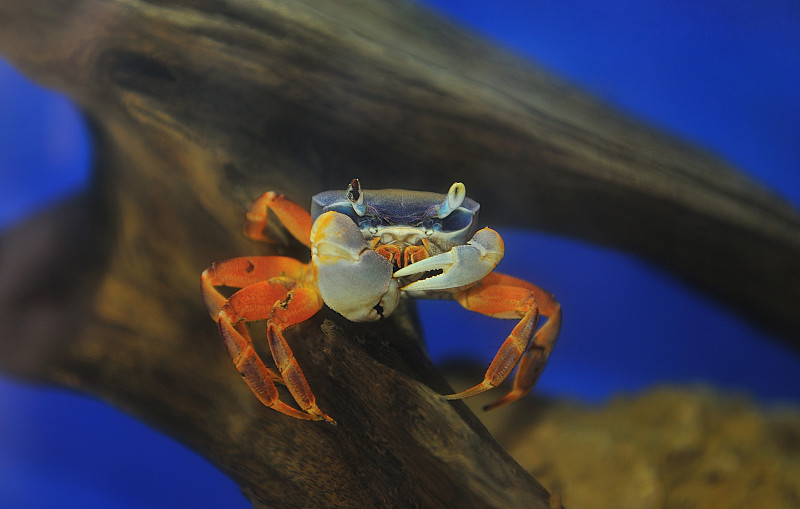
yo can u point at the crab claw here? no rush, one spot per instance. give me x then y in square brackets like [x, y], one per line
[461, 266]
[353, 280]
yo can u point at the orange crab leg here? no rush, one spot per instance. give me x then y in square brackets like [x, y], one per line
[293, 217]
[291, 306]
[503, 296]
[241, 272]
[231, 323]
[299, 305]
[244, 271]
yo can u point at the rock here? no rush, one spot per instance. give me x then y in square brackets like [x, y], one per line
[668, 447]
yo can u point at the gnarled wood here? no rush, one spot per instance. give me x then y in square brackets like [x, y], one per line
[137, 335]
[199, 106]
[269, 95]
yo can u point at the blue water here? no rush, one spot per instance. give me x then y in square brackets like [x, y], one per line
[723, 74]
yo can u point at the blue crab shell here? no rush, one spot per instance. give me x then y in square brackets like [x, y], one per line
[386, 209]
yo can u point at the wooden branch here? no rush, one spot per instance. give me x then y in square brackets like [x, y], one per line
[136, 334]
[199, 106]
[270, 95]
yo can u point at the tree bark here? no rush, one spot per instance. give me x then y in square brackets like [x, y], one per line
[269, 95]
[104, 298]
[199, 106]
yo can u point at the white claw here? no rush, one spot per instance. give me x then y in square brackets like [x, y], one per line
[353, 280]
[462, 265]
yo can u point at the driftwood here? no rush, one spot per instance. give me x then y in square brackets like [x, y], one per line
[199, 106]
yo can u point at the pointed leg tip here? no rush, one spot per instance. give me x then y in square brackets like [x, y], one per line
[505, 400]
[496, 404]
[319, 415]
[330, 420]
[473, 391]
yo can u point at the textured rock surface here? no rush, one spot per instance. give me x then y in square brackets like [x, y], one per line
[670, 447]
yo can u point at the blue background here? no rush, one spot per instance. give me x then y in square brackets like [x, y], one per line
[723, 74]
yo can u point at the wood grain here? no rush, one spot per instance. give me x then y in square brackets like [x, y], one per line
[199, 106]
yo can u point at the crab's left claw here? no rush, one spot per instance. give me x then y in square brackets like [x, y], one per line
[461, 266]
[353, 280]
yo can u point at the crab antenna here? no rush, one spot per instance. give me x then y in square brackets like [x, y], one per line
[453, 200]
[356, 197]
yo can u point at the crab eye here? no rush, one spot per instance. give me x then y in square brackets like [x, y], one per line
[453, 200]
[356, 197]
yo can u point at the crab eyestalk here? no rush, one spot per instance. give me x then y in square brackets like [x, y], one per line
[356, 197]
[453, 200]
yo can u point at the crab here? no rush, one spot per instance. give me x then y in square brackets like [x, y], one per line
[369, 248]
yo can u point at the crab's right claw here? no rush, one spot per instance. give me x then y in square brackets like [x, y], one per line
[461, 266]
[353, 280]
